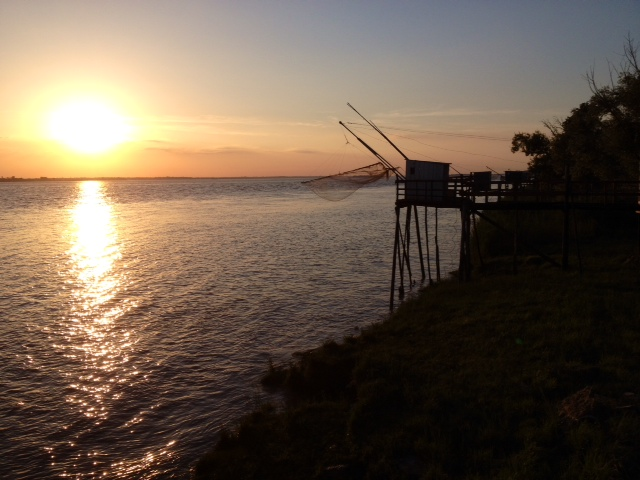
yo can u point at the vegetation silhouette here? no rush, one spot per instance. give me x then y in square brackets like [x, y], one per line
[600, 140]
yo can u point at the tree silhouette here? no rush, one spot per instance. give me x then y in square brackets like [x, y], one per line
[600, 140]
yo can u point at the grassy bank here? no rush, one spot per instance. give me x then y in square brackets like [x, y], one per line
[531, 376]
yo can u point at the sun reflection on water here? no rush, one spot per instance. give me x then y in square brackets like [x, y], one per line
[94, 337]
[95, 248]
[101, 367]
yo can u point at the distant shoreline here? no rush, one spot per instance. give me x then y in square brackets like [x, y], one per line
[82, 179]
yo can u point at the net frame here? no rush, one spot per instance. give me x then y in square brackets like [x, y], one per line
[342, 185]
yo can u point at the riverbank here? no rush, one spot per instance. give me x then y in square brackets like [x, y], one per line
[530, 376]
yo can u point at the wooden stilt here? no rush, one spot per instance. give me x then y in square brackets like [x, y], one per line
[419, 242]
[475, 234]
[396, 241]
[402, 257]
[462, 243]
[469, 262]
[565, 239]
[464, 264]
[515, 242]
[437, 249]
[524, 244]
[575, 232]
[638, 212]
[407, 243]
[426, 238]
[566, 222]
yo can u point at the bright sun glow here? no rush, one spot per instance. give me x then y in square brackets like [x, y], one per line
[88, 126]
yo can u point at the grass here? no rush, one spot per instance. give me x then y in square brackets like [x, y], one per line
[530, 376]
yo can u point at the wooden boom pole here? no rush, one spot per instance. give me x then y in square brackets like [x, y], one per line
[379, 131]
[376, 154]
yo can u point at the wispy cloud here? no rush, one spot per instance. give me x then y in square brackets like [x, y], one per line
[443, 112]
[172, 148]
[219, 120]
[304, 151]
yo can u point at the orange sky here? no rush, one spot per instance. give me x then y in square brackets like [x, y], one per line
[257, 88]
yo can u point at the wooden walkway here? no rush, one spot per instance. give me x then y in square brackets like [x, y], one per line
[476, 193]
[502, 195]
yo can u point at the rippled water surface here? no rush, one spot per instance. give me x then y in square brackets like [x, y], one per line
[138, 315]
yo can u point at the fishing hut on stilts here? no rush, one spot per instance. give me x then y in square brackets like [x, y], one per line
[424, 184]
[430, 185]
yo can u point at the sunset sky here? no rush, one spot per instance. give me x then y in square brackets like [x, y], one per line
[256, 88]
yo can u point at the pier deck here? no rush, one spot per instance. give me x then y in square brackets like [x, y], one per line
[475, 194]
[532, 195]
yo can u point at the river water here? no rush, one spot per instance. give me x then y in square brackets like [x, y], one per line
[138, 315]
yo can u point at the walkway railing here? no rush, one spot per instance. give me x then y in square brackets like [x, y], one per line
[498, 194]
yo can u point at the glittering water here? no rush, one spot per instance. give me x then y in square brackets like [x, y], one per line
[138, 315]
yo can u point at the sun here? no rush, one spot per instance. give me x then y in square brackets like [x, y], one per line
[88, 126]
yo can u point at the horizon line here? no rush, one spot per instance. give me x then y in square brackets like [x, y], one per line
[31, 179]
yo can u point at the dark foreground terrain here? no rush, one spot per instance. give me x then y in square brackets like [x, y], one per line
[531, 376]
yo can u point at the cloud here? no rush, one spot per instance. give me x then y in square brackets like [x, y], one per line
[221, 120]
[228, 151]
[303, 151]
[443, 112]
[168, 147]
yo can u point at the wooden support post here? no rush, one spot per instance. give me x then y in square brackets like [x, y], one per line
[467, 262]
[566, 222]
[475, 234]
[407, 243]
[396, 241]
[575, 232]
[464, 266]
[426, 237]
[565, 238]
[401, 258]
[419, 241]
[515, 241]
[524, 244]
[638, 213]
[469, 216]
[463, 234]
[437, 249]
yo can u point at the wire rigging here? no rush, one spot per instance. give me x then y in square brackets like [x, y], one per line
[443, 148]
[447, 134]
[340, 186]
[458, 151]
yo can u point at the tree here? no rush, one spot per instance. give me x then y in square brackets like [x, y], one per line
[538, 146]
[600, 140]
